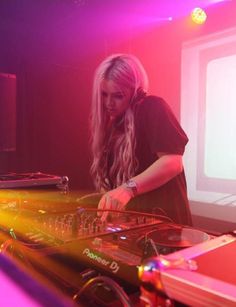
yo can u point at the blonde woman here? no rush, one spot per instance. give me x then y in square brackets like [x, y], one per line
[137, 143]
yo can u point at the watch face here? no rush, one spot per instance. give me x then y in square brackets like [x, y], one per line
[131, 184]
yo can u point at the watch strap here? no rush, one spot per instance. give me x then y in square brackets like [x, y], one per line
[132, 185]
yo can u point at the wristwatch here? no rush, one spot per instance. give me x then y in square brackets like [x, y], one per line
[132, 185]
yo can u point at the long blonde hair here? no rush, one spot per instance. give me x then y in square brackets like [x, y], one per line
[128, 73]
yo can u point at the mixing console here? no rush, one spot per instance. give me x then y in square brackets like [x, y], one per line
[71, 247]
[85, 224]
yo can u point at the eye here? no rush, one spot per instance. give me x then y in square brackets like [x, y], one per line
[118, 96]
[104, 94]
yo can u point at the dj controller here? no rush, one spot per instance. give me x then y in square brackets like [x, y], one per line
[94, 263]
[72, 248]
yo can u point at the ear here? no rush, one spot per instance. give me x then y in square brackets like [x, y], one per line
[140, 94]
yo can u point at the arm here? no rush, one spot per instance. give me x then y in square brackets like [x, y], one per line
[161, 171]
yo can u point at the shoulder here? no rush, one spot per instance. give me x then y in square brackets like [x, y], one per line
[151, 104]
[153, 98]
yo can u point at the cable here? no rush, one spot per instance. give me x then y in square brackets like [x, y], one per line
[13, 248]
[162, 211]
[163, 217]
[110, 283]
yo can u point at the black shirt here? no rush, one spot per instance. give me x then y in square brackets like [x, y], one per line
[157, 130]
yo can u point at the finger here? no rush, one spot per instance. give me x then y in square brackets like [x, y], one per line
[111, 204]
[104, 203]
[101, 206]
[104, 216]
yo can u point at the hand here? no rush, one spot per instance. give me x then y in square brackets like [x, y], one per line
[114, 200]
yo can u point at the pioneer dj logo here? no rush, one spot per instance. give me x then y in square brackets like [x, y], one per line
[113, 266]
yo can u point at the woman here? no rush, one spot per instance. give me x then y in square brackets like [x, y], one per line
[137, 143]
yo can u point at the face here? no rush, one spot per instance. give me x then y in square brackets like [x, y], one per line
[114, 99]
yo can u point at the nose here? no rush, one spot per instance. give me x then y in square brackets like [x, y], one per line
[109, 101]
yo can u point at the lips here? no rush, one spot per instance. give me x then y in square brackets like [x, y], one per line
[111, 110]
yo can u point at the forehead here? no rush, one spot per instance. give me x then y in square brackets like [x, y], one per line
[110, 86]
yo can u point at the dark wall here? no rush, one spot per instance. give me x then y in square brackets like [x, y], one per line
[53, 47]
[53, 88]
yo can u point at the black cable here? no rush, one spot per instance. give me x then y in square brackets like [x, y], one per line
[110, 283]
[131, 213]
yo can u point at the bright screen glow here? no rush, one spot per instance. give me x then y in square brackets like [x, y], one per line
[220, 120]
[208, 115]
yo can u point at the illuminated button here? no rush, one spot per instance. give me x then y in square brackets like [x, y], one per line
[97, 242]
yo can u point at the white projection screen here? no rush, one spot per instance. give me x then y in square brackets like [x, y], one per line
[208, 115]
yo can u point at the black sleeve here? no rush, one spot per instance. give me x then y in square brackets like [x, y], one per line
[162, 129]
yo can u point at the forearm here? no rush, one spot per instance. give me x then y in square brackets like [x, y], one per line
[159, 173]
